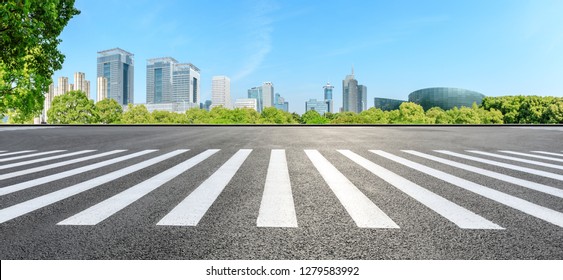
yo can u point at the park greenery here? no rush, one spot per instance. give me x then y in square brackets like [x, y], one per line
[75, 108]
[29, 56]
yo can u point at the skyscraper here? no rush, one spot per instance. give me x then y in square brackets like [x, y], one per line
[102, 90]
[268, 94]
[116, 65]
[62, 86]
[80, 83]
[256, 93]
[221, 91]
[280, 103]
[354, 96]
[328, 97]
[159, 80]
[185, 84]
[264, 95]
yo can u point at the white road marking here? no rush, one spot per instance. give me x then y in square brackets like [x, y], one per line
[519, 159]
[54, 165]
[31, 155]
[112, 205]
[6, 166]
[190, 211]
[505, 165]
[17, 153]
[531, 155]
[23, 208]
[277, 208]
[58, 176]
[362, 210]
[548, 153]
[513, 180]
[458, 215]
[527, 207]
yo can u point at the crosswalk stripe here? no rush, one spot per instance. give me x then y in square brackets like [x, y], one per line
[6, 166]
[190, 211]
[360, 208]
[55, 165]
[112, 205]
[23, 208]
[277, 208]
[54, 177]
[548, 153]
[527, 207]
[519, 159]
[458, 215]
[31, 155]
[17, 153]
[505, 165]
[531, 155]
[513, 180]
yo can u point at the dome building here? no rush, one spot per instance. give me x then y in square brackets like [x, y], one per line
[445, 98]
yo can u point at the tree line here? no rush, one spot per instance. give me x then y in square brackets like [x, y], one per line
[74, 107]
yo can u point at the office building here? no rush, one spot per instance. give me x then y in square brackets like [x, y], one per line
[280, 103]
[256, 93]
[445, 98]
[387, 104]
[250, 103]
[317, 105]
[354, 96]
[169, 81]
[264, 95]
[117, 66]
[221, 91]
[328, 97]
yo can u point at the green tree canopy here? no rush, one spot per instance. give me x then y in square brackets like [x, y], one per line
[28, 51]
[197, 116]
[109, 111]
[73, 107]
[137, 114]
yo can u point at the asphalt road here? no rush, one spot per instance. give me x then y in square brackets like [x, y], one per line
[327, 193]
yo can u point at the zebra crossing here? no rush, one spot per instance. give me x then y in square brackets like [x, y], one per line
[277, 204]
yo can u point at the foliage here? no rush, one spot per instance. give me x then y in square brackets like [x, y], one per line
[109, 111]
[28, 52]
[73, 107]
[526, 109]
[313, 117]
[197, 116]
[137, 114]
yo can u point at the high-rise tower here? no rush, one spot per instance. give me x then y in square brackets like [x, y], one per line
[354, 96]
[221, 91]
[328, 97]
[117, 66]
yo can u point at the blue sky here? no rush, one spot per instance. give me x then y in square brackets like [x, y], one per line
[500, 47]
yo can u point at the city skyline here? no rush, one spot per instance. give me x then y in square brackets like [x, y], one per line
[499, 48]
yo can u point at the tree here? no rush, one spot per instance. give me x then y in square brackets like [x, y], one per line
[437, 115]
[137, 114]
[73, 107]
[411, 113]
[313, 117]
[109, 111]
[374, 116]
[277, 116]
[197, 116]
[28, 52]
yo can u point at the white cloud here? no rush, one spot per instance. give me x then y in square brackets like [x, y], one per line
[258, 42]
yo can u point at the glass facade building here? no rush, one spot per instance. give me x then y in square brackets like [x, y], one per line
[354, 96]
[169, 81]
[317, 105]
[117, 66]
[445, 98]
[387, 104]
[328, 97]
